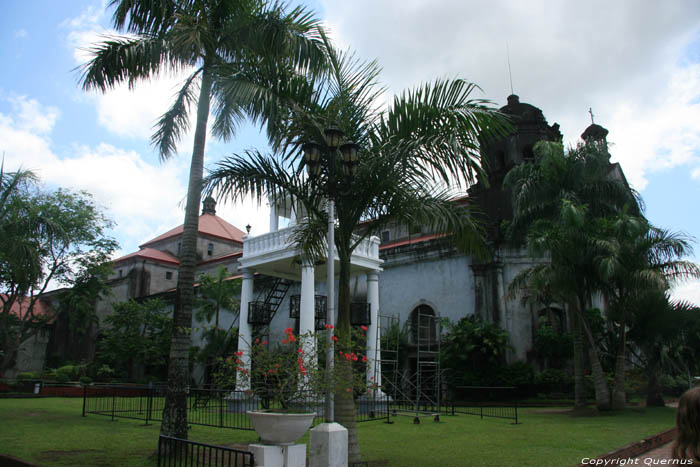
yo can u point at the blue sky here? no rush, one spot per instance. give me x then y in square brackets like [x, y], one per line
[637, 66]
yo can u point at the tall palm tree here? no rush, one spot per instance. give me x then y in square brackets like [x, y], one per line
[635, 257]
[409, 154]
[229, 49]
[557, 202]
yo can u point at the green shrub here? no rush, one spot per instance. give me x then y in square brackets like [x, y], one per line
[62, 378]
[68, 370]
[85, 380]
[49, 375]
[105, 374]
[27, 375]
[553, 381]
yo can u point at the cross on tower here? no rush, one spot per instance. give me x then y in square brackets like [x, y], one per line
[590, 111]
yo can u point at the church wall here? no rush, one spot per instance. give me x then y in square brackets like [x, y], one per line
[446, 285]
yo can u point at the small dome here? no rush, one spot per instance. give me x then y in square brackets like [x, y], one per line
[523, 112]
[594, 132]
[209, 206]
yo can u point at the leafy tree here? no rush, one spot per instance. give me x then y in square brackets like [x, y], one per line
[427, 139]
[216, 294]
[137, 337]
[472, 349]
[232, 50]
[46, 237]
[635, 257]
[557, 204]
[666, 337]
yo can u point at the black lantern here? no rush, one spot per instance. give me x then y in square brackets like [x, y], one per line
[312, 157]
[333, 134]
[349, 152]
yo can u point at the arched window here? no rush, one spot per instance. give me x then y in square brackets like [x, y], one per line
[423, 325]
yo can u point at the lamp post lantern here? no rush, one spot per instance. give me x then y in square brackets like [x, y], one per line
[313, 160]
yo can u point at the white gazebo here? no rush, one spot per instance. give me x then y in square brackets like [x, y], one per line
[274, 254]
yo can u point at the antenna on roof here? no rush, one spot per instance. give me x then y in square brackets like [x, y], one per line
[510, 73]
[590, 111]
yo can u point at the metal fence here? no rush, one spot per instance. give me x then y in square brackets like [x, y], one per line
[208, 407]
[180, 452]
[495, 402]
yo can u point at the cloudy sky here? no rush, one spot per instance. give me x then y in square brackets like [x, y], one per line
[635, 63]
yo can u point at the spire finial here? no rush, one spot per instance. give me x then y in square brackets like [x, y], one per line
[510, 73]
[590, 111]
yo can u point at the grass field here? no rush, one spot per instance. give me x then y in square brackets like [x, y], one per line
[51, 431]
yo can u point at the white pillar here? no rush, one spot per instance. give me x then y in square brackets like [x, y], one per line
[307, 303]
[245, 335]
[274, 218]
[374, 369]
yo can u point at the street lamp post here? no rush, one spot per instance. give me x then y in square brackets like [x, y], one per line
[312, 158]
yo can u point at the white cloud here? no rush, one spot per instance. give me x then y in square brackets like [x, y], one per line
[688, 291]
[128, 113]
[620, 58]
[21, 34]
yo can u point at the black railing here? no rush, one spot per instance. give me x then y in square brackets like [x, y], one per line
[218, 408]
[320, 307]
[181, 452]
[260, 313]
[484, 401]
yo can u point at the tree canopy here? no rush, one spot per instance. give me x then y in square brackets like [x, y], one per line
[46, 238]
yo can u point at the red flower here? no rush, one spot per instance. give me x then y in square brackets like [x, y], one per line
[288, 331]
[347, 389]
[264, 343]
[364, 328]
[364, 358]
[285, 341]
[334, 339]
[348, 356]
[354, 357]
[300, 350]
[257, 341]
[329, 326]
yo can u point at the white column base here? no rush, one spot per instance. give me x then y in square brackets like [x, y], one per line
[279, 456]
[328, 445]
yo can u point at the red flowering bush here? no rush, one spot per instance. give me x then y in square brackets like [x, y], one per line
[288, 373]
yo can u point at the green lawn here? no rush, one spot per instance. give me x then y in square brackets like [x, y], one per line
[51, 431]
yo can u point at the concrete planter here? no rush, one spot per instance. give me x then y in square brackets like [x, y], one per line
[281, 429]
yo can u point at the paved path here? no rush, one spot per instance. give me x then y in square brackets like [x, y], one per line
[662, 452]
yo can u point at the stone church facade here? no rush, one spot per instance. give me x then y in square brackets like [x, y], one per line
[418, 272]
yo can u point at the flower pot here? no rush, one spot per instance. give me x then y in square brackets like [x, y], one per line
[280, 428]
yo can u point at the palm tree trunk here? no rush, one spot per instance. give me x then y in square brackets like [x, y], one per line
[619, 400]
[602, 392]
[344, 401]
[175, 410]
[579, 361]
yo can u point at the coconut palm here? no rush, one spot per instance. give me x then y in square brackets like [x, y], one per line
[409, 154]
[557, 202]
[635, 257]
[229, 49]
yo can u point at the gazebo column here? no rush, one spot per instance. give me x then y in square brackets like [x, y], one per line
[274, 218]
[245, 335]
[307, 303]
[374, 370]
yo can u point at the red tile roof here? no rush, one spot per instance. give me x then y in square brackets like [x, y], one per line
[210, 225]
[410, 241]
[152, 254]
[21, 306]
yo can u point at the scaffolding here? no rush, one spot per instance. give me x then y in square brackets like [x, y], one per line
[415, 388]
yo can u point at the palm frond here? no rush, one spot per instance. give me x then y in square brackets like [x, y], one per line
[127, 59]
[175, 122]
